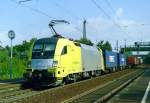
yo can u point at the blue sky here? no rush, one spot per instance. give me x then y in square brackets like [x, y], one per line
[27, 23]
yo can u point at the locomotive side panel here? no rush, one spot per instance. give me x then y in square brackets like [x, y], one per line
[91, 58]
[68, 56]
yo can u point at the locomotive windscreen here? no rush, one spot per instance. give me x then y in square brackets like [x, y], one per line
[44, 48]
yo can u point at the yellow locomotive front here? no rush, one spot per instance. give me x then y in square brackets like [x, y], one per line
[53, 60]
[42, 61]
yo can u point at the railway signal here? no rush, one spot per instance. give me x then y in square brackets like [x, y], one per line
[11, 35]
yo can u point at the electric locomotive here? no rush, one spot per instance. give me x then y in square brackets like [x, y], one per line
[56, 60]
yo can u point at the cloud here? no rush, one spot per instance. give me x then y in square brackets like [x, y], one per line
[4, 38]
[104, 29]
[119, 12]
[98, 29]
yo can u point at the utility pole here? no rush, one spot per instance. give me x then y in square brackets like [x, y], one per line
[84, 29]
[125, 46]
[117, 46]
[138, 51]
[0, 44]
[0, 65]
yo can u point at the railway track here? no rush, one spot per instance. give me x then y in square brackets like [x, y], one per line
[103, 92]
[12, 93]
[8, 90]
[59, 94]
[16, 95]
[9, 85]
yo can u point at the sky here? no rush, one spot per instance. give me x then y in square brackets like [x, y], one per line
[109, 20]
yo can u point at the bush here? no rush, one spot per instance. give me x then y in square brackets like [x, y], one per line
[18, 66]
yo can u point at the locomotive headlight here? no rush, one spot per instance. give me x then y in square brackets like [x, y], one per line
[30, 74]
[40, 75]
[55, 63]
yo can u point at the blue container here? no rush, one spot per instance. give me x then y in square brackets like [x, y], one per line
[110, 59]
[121, 60]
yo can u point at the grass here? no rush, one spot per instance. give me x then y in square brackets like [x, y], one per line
[18, 66]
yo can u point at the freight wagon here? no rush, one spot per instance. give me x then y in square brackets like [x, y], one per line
[110, 60]
[121, 61]
[140, 60]
[133, 61]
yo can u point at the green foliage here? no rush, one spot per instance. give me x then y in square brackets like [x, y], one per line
[104, 45]
[21, 55]
[85, 41]
[23, 51]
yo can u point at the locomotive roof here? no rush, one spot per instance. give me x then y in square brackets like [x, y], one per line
[47, 40]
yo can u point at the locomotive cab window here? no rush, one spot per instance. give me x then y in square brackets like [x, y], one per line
[44, 48]
[64, 50]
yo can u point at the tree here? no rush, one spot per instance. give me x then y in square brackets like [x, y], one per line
[21, 55]
[23, 50]
[100, 44]
[104, 45]
[85, 41]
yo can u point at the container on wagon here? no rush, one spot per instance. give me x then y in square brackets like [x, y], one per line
[110, 59]
[133, 60]
[121, 60]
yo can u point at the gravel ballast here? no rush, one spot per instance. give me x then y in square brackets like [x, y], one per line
[59, 94]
